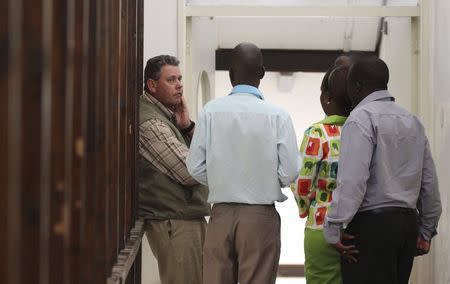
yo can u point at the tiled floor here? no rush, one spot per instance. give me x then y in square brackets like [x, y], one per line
[291, 280]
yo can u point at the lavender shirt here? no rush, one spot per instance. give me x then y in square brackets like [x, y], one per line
[385, 161]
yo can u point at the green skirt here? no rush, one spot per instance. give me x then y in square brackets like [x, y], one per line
[322, 261]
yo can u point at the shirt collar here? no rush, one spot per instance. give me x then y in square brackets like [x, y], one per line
[247, 89]
[382, 95]
[154, 101]
[334, 119]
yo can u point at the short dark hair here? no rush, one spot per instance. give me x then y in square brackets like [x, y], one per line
[371, 72]
[153, 67]
[339, 73]
[338, 86]
[325, 86]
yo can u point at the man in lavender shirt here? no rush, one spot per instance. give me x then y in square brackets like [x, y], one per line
[387, 196]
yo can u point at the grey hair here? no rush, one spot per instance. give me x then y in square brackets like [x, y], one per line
[153, 67]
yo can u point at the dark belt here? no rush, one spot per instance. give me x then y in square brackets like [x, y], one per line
[381, 210]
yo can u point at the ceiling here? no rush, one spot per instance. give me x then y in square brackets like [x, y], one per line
[300, 33]
[303, 2]
[319, 33]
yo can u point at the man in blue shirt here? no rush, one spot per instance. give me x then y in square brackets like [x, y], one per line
[245, 150]
[388, 190]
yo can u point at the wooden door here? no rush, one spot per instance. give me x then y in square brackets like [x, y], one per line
[70, 75]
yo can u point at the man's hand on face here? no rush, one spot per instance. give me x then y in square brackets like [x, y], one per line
[422, 246]
[182, 114]
[347, 252]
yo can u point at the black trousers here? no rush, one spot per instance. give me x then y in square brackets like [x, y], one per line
[386, 240]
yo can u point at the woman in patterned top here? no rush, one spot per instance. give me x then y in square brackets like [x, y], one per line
[317, 179]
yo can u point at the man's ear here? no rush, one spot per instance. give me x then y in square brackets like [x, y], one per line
[151, 84]
[263, 72]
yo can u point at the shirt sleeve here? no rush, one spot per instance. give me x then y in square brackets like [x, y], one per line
[310, 155]
[354, 170]
[159, 145]
[429, 202]
[196, 160]
[288, 158]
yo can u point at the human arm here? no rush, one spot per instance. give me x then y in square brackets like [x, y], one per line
[354, 163]
[288, 159]
[428, 203]
[196, 159]
[183, 121]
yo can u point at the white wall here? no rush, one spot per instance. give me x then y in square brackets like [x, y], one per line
[160, 28]
[266, 2]
[203, 50]
[434, 268]
[301, 2]
[297, 33]
[396, 52]
[160, 37]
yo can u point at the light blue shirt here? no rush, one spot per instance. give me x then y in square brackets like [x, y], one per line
[244, 149]
[385, 161]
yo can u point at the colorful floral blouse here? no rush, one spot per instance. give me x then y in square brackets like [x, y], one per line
[319, 154]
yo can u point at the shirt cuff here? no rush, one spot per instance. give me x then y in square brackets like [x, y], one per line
[426, 235]
[332, 233]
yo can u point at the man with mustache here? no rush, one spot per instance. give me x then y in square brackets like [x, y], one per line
[172, 203]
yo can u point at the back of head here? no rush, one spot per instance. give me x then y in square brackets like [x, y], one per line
[367, 75]
[338, 88]
[339, 72]
[246, 65]
[337, 80]
[370, 73]
[343, 60]
[325, 81]
[153, 67]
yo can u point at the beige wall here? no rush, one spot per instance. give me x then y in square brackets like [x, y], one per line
[396, 52]
[203, 52]
[160, 37]
[160, 28]
[435, 267]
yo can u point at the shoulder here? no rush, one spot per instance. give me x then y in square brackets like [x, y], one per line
[359, 114]
[272, 109]
[360, 117]
[147, 110]
[406, 113]
[216, 103]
